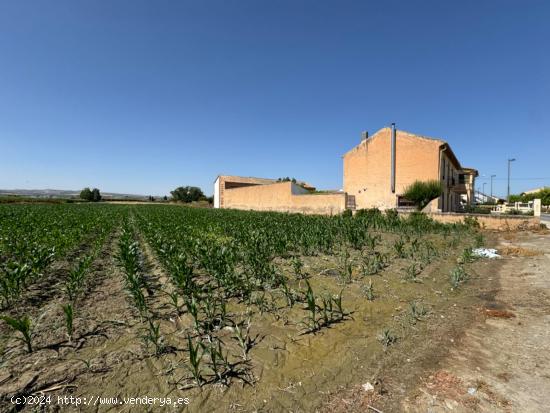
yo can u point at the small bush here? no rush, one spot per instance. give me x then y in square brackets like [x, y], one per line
[421, 193]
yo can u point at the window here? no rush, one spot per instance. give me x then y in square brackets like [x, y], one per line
[404, 202]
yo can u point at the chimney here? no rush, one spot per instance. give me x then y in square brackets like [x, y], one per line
[364, 136]
[393, 138]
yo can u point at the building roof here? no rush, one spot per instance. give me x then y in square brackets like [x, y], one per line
[470, 171]
[262, 181]
[534, 191]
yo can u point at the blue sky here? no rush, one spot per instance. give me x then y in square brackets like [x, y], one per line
[142, 96]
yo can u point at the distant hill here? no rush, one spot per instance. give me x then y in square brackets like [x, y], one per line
[66, 194]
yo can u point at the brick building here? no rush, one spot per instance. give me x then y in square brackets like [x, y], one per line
[376, 173]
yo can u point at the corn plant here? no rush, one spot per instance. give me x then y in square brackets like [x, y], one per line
[479, 240]
[175, 300]
[368, 291]
[373, 263]
[428, 253]
[13, 280]
[399, 248]
[75, 280]
[68, 311]
[326, 309]
[414, 247]
[467, 256]
[298, 266]
[219, 362]
[289, 293]
[153, 336]
[372, 241]
[242, 336]
[23, 326]
[387, 338]
[196, 352]
[458, 276]
[311, 322]
[193, 311]
[215, 312]
[261, 301]
[129, 258]
[345, 265]
[417, 312]
[412, 272]
[339, 310]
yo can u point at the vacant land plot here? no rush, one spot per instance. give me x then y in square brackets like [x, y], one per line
[227, 310]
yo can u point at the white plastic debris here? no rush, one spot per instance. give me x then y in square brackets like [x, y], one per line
[368, 387]
[472, 390]
[486, 253]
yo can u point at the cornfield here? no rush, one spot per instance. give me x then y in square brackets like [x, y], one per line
[204, 294]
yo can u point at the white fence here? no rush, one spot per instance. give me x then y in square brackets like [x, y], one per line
[518, 207]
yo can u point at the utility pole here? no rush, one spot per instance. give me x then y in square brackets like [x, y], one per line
[492, 176]
[510, 160]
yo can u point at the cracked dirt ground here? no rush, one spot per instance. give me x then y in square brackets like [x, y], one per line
[502, 364]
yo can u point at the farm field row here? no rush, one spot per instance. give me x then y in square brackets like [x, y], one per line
[233, 310]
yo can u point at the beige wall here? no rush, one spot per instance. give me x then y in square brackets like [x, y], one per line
[283, 197]
[222, 180]
[491, 222]
[367, 170]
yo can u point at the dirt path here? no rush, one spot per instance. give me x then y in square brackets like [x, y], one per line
[503, 362]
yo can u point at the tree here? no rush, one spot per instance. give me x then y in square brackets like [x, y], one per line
[96, 195]
[187, 193]
[421, 193]
[86, 194]
[543, 195]
[92, 195]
